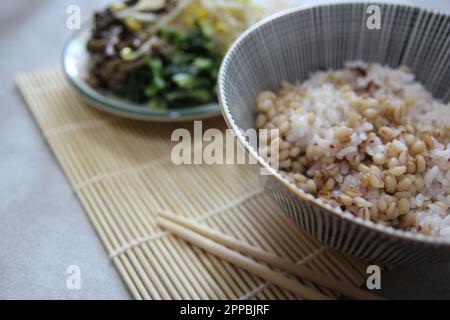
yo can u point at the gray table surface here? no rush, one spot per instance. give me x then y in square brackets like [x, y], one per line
[43, 229]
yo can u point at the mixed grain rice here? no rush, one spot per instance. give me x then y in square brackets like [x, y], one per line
[369, 139]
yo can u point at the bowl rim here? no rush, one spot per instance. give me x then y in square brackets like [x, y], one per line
[125, 108]
[402, 235]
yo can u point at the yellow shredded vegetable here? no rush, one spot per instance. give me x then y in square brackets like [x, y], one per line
[228, 18]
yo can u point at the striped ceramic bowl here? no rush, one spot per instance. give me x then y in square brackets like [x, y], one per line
[290, 45]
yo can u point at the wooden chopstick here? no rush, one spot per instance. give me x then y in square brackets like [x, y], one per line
[272, 259]
[239, 260]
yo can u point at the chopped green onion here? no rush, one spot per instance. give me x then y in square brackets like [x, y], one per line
[203, 63]
[183, 80]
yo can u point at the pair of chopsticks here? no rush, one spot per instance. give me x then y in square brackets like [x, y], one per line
[232, 250]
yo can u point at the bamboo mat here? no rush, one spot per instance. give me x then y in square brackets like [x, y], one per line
[122, 174]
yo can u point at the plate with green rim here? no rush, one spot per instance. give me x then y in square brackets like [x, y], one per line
[76, 64]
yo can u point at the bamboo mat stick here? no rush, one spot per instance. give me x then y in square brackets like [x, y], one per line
[272, 259]
[239, 260]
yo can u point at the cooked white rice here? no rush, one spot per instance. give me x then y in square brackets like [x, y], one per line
[367, 138]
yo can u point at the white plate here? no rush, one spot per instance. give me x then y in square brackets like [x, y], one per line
[75, 64]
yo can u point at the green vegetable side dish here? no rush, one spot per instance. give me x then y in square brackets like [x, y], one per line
[164, 53]
[184, 77]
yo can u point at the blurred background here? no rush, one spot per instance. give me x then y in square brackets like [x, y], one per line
[43, 229]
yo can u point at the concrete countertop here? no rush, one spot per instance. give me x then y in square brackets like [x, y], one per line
[43, 229]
